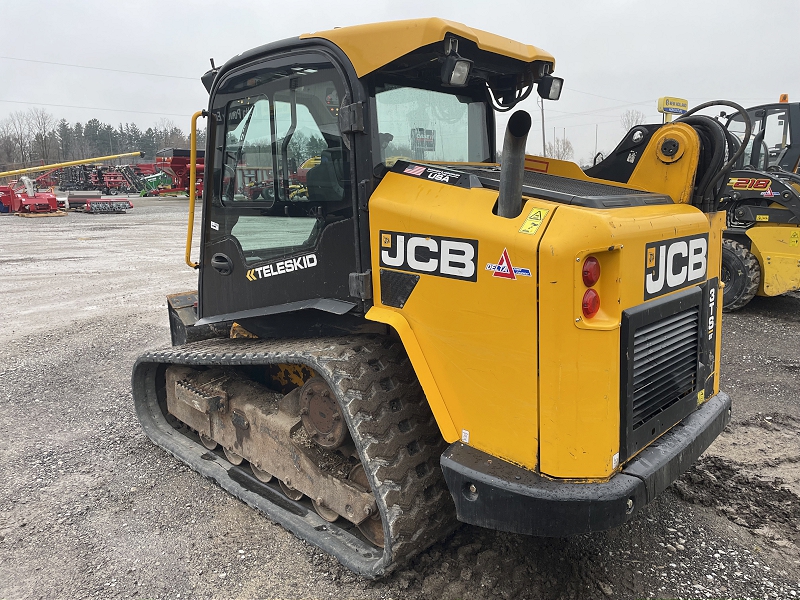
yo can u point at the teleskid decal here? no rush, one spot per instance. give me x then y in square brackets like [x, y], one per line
[282, 267]
[674, 264]
[505, 269]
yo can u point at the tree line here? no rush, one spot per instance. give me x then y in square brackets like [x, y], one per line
[35, 136]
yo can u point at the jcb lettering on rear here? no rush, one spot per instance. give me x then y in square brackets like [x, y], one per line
[429, 254]
[674, 264]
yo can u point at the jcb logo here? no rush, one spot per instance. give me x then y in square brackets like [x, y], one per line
[432, 255]
[674, 264]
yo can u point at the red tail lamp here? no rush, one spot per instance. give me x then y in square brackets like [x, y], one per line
[591, 303]
[591, 271]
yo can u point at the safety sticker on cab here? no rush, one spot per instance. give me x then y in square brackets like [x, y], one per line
[534, 220]
[282, 267]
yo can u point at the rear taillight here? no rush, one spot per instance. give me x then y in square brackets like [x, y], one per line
[590, 303]
[590, 271]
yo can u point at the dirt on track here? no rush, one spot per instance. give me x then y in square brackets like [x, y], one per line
[89, 507]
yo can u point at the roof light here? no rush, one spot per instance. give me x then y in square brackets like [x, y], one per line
[549, 87]
[455, 70]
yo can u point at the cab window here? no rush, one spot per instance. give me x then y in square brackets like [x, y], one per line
[429, 125]
[285, 171]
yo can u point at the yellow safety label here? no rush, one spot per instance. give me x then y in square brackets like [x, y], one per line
[534, 220]
[762, 217]
[701, 396]
[794, 238]
[386, 240]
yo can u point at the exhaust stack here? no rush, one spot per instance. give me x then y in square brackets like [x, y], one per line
[509, 204]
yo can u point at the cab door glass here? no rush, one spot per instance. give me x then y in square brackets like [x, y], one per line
[285, 170]
[776, 135]
[737, 127]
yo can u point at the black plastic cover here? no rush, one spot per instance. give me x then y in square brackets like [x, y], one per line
[490, 492]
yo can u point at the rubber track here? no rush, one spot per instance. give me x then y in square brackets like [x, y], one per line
[389, 419]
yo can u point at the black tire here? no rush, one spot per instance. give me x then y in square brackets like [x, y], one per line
[741, 275]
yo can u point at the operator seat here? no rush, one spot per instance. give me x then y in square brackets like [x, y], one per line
[326, 182]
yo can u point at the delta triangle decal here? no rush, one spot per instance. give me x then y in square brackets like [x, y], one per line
[504, 268]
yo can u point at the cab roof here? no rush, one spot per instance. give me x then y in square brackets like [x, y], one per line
[370, 47]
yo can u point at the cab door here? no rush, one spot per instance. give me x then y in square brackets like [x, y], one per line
[278, 223]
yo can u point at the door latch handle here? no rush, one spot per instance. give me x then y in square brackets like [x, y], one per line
[222, 264]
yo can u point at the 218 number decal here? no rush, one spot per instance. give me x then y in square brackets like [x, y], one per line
[748, 183]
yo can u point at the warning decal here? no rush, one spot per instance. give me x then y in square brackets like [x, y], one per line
[534, 220]
[794, 238]
[505, 269]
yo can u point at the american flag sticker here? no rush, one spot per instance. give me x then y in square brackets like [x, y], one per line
[415, 170]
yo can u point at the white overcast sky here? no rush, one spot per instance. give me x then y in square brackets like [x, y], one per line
[614, 55]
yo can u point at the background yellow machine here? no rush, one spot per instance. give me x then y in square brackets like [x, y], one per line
[761, 251]
[419, 340]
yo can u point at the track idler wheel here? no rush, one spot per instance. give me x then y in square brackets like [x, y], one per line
[208, 442]
[326, 513]
[372, 527]
[262, 476]
[232, 457]
[290, 492]
[320, 414]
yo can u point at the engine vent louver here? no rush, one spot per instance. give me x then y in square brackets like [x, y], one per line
[664, 364]
[660, 367]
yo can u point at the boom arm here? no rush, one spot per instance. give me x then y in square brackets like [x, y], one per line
[70, 163]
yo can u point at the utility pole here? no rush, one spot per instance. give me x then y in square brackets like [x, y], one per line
[544, 142]
[596, 125]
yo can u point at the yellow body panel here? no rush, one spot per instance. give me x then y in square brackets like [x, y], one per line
[777, 248]
[477, 339]
[508, 367]
[580, 372]
[369, 47]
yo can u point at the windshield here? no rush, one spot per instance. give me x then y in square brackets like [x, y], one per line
[427, 125]
[770, 137]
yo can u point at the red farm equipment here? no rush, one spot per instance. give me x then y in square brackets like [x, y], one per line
[22, 198]
[175, 163]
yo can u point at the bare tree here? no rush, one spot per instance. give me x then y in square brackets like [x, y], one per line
[42, 124]
[631, 118]
[7, 146]
[561, 150]
[20, 130]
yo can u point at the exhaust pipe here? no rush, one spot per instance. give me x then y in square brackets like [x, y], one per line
[509, 204]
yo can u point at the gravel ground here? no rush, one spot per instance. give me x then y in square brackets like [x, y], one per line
[89, 507]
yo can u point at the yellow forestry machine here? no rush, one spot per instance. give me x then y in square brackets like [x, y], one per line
[418, 341]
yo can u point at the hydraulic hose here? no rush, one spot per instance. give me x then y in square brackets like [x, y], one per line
[723, 143]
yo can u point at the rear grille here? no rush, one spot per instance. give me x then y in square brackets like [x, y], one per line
[661, 366]
[664, 364]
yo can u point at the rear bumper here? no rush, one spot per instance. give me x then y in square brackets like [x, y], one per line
[510, 498]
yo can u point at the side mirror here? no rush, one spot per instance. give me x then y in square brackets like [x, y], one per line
[549, 87]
